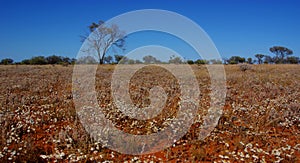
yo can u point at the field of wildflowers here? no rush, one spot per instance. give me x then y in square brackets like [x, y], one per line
[260, 120]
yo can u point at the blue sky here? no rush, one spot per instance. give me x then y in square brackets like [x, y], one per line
[237, 27]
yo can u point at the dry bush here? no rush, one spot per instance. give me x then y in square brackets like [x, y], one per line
[245, 66]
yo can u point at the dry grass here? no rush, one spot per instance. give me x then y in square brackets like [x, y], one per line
[260, 121]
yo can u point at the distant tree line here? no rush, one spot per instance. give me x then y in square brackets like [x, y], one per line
[148, 59]
[282, 56]
[41, 60]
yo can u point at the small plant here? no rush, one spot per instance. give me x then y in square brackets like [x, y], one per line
[245, 66]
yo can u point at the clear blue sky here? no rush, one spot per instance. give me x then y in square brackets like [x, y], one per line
[237, 27]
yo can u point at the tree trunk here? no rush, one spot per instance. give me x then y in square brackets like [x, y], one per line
[100, 61]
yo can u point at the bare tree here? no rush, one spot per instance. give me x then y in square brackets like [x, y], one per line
[102, 38]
